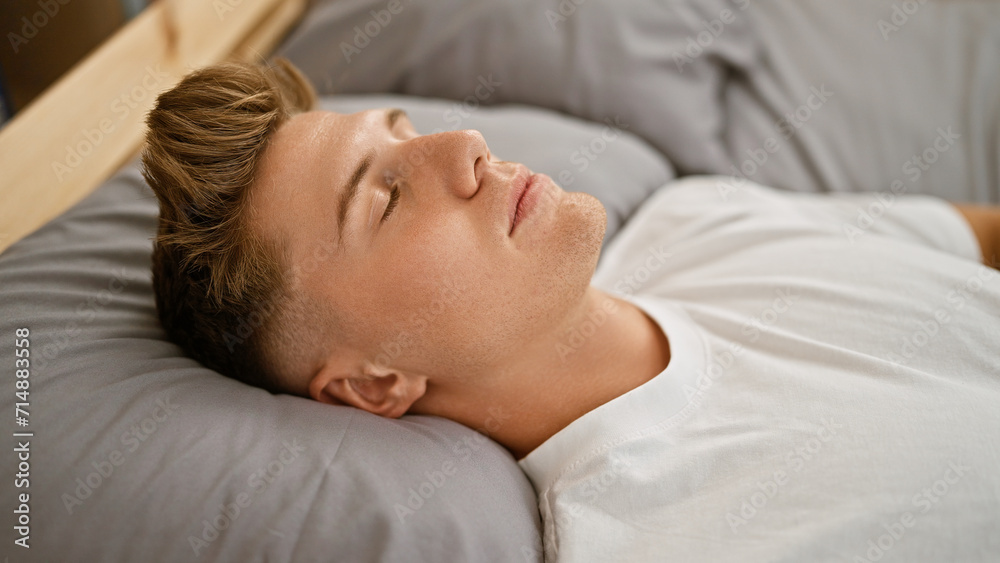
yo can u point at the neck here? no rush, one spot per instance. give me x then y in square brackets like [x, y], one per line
[601, 350]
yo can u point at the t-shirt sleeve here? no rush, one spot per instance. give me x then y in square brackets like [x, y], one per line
[921, 219]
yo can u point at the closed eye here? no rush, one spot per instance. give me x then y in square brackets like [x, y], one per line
[393, 200]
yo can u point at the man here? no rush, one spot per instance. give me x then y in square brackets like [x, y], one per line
[739, 377]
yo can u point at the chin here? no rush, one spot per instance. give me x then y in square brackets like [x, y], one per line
[593, 220]
[587, 221]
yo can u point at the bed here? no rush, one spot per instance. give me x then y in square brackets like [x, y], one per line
[139, 453]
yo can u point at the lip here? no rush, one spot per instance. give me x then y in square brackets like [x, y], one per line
[519, 206]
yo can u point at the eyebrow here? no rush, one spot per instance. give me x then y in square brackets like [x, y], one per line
[349, 193]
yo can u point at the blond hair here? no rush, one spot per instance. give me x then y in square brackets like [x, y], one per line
[222, 292]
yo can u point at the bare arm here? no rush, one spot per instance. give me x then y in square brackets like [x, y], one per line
[985, 222]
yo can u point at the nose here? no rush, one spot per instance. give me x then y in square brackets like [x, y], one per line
[455, 160]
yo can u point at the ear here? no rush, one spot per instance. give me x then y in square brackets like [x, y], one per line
[387, 393]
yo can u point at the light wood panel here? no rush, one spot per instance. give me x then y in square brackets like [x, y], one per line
[90, 122]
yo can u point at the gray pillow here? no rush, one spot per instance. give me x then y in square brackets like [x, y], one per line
[139, 453]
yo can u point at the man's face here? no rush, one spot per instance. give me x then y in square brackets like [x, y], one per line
[407, 240]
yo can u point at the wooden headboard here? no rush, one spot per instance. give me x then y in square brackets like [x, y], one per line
[91, 122]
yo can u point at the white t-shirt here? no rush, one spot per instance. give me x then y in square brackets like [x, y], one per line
[833, 391]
